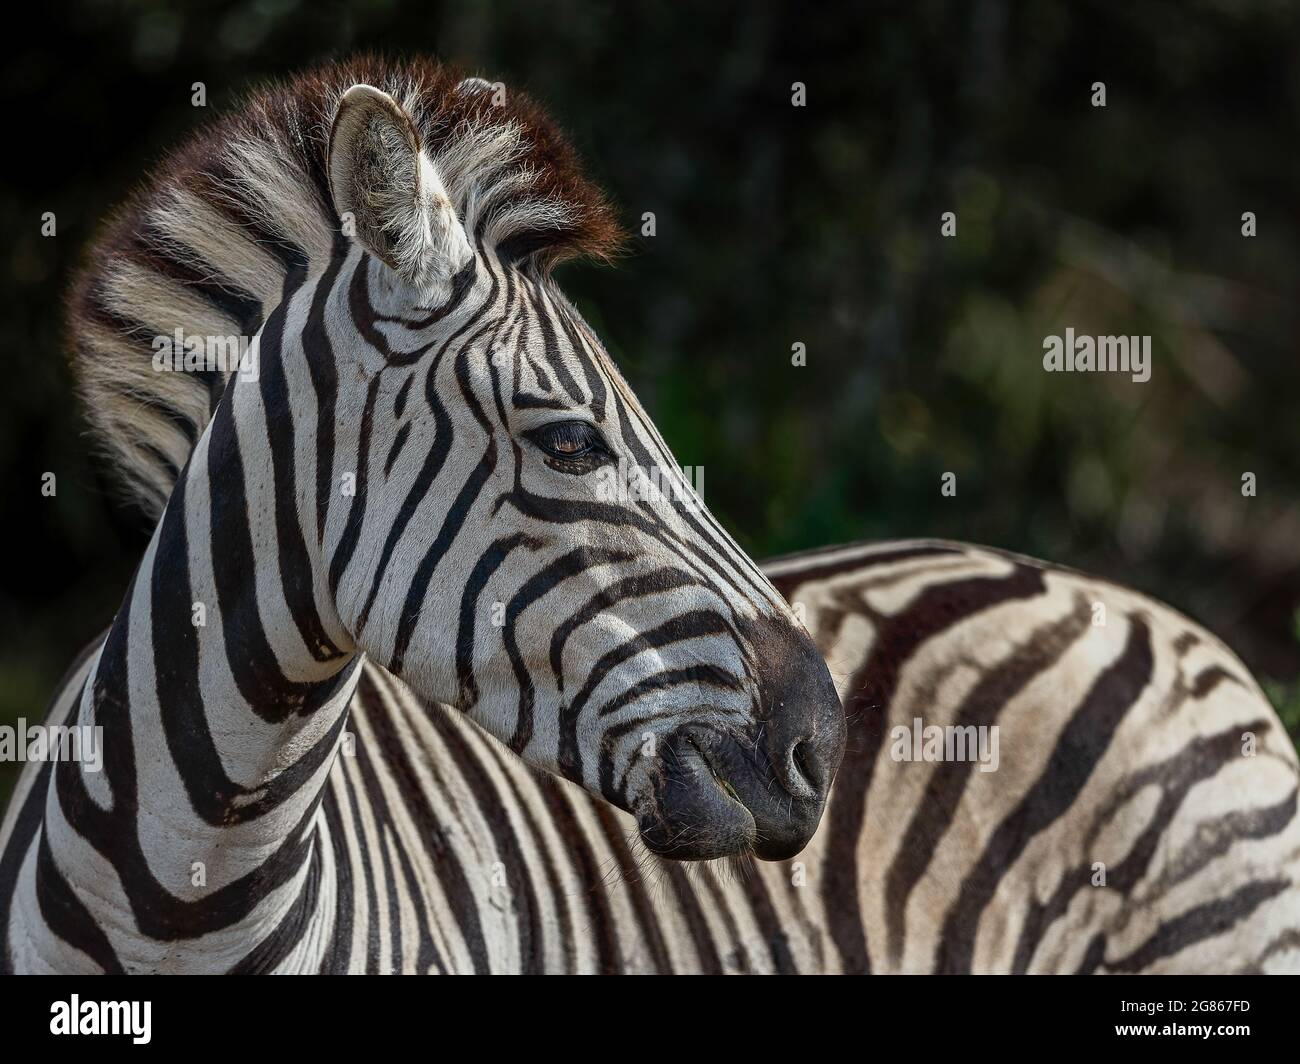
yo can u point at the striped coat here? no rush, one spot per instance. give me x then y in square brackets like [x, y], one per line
[1041, 771]
[435, 849]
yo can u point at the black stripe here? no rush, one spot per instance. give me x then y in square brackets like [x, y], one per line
[527, 909]
[367, 865]
[339, 955]
[432, 832]
[787, 583]
[535, 588]
[776, 940]
[378, 805]
[934, 814]
[357, 503]
[399, 403]
[297, 565]
[609, 956]
[271, 952]
[66, 916]
[451, 524]
[434, 461]
[565, 932]
[700, 935]
[867, 706]
[160, 254]
[632, 587]
[318, 350]
[1199, 760]
[1079, 748]
[1200, 923]
[642, 907]
[691, 625]
[396, 449]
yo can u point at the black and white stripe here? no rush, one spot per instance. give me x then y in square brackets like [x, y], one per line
[426, 474]
[409, 574]
[1122, 744]
[441, 851]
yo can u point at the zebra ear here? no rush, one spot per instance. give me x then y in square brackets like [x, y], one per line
[387, 192]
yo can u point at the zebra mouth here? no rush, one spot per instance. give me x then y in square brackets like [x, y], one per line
[716, 799]
[697, 814]
[726, 787]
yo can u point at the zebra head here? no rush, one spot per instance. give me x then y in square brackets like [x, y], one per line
[532, 554]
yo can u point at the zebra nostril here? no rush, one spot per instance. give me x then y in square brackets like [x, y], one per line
[801, 722]
[801, 776]
[800, 755]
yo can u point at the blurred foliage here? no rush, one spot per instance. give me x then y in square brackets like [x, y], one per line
[777, 225]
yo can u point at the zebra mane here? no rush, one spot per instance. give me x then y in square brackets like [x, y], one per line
[210, 241]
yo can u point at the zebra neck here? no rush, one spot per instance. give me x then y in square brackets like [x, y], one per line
[222, 692]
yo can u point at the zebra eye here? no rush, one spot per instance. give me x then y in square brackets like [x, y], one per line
[569, 440]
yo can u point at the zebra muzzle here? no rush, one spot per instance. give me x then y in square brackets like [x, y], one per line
[719, 795]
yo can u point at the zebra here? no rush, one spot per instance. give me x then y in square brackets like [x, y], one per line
[398, 687]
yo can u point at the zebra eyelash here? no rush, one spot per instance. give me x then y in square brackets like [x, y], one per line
[571, 446]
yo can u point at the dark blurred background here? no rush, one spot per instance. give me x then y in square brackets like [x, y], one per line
[777, 225]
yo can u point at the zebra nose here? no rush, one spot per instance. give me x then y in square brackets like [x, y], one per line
[803, 733]
[804, 740]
